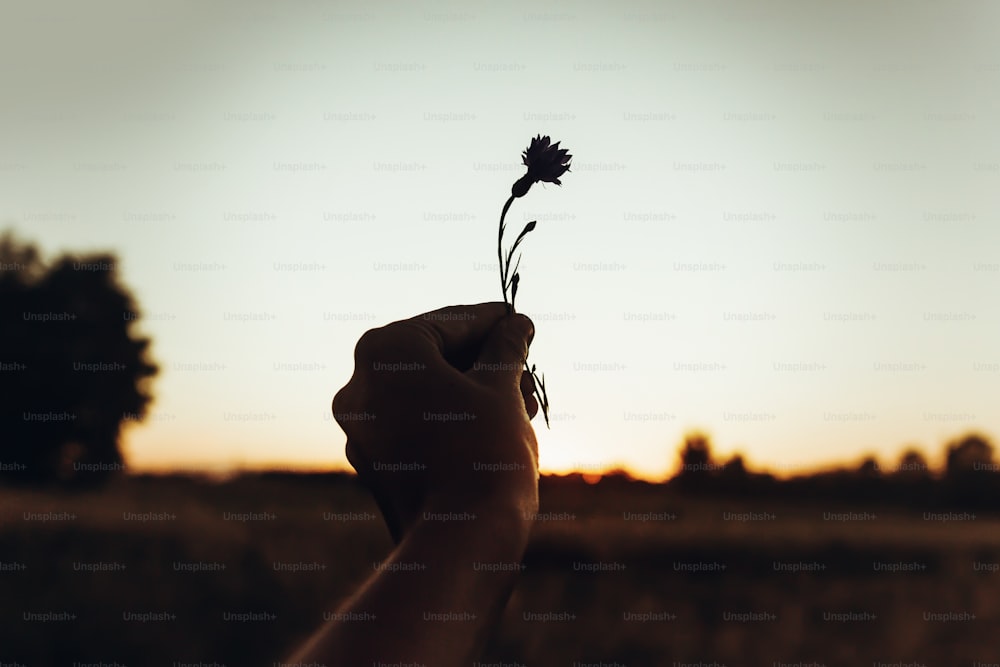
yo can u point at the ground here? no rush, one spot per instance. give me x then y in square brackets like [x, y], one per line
[173, 571]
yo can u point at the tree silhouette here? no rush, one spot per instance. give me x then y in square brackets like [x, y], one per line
[973, 453]
[696, 462]
[912, 466]
[868, 469]
[72, 370]
[734, 477]
[735, 466]
[970, 477]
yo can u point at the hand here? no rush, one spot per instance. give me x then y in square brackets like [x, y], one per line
[437, 415]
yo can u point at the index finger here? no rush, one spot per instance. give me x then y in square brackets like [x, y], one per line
[454, 326]
[457, 332]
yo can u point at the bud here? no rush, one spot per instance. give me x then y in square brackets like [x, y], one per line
[521, 187]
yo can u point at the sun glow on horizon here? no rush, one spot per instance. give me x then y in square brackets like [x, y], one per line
[787, 243]
[144, 455]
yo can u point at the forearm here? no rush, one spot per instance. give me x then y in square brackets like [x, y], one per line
[435, 599]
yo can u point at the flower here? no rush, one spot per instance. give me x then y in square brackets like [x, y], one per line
[545, 162]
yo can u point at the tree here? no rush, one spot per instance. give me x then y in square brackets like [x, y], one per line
[733, 476]
[868, 469]
[973, 453]
[72, 369]
[912, 466]
[970, 474]
[696, 462]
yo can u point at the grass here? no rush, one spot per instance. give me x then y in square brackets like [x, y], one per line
[561, 612]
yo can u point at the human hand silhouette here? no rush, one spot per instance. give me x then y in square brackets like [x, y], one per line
[437, 415]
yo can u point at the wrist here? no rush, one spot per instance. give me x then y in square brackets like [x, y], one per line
[504, 522]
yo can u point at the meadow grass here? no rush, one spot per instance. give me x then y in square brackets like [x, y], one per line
[590, 575]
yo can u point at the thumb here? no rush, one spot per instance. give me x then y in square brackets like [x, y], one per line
[502, 356]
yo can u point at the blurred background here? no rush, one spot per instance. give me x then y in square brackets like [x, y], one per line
[764, 288]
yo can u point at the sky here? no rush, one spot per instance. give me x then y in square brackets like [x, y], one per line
[780, 226]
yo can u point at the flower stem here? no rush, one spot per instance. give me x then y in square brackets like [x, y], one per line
[542, 397]
[504, 268]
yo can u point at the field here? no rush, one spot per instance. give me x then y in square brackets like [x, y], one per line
[164, 571]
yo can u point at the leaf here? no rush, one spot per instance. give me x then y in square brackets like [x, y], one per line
[517, 264]
[509, 272]
[513, 286]
[541, 394]
[544, 400]
[527, 228]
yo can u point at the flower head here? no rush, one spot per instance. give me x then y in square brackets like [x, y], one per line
[545, 162]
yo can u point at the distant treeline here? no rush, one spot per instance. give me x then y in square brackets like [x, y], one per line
[969, 480]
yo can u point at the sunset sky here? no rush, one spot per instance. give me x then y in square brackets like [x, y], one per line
[780, 227]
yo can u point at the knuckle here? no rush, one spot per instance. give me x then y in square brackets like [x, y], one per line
[354, 457]
[342, 406]
[365, 346]
[369, 345]
[337, 405]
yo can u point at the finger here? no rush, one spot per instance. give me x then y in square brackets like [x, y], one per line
[358, 461]
[528, 393]
[530, 404]
[527, 383]
[342, 411]
[455, 333]
[364, 468]
[454, 325]
[388, 509]
[501, 360]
